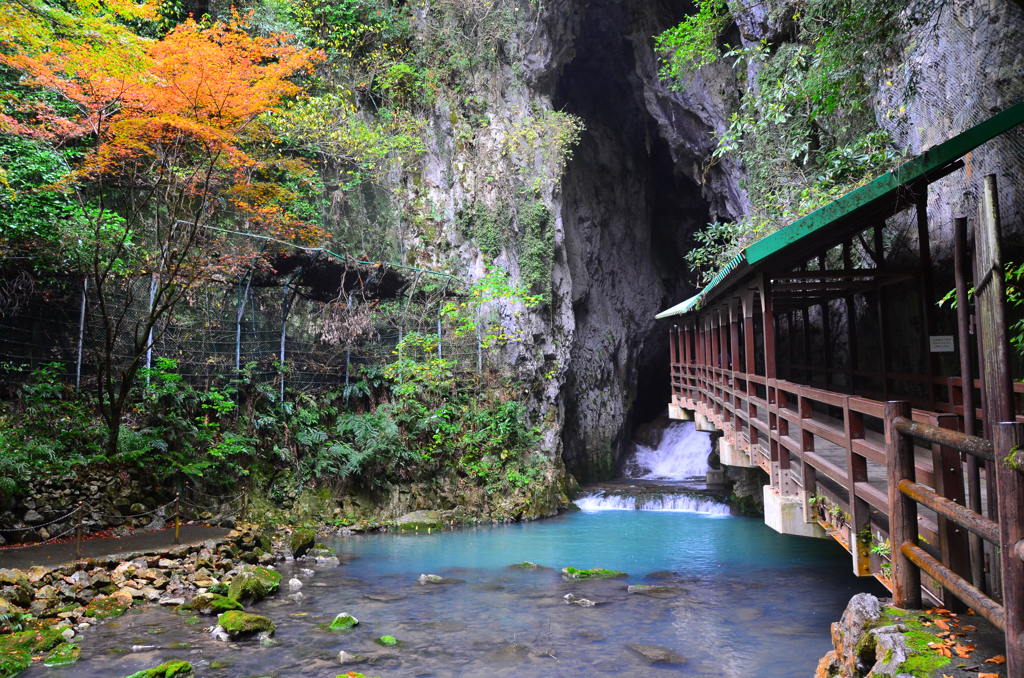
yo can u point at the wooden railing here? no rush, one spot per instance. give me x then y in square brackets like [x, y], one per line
[837, 453]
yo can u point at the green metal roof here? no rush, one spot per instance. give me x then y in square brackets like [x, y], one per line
[878, 189]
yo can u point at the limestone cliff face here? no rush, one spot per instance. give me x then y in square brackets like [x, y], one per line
[640, 183]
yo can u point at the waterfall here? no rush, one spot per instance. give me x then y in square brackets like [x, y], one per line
[680, 503]
[681, 453]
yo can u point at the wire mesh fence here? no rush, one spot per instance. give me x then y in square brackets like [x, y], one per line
[275, 333]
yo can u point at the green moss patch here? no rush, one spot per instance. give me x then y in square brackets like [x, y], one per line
[387, 641]
[105, 608]
[925, 660]
[165, 670]
[211, 603]
[593, 573]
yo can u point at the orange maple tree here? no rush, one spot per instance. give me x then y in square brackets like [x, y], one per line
[171, 156]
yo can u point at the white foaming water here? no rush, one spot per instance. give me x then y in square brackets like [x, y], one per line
[681, 454]
[680, 503]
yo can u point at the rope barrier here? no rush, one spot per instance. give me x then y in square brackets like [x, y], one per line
[38, 543]
[36, 527]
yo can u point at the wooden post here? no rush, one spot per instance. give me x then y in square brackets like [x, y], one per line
[860, 512]
[949, 483]
[1008, 440]
[906, 578]
[963, 322]
[990, 299]
[826, 330]
[768, 321]
[927, 290]
[851, 324]
[883, 313]
[751, 367]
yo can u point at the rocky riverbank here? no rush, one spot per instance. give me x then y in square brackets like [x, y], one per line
[42, 610]
[875, 640]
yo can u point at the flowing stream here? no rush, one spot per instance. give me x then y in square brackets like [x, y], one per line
[737, 601]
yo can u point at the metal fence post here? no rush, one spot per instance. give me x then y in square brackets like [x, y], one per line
[81, 333]
[899, 453]
[177, 518]
[78, 530]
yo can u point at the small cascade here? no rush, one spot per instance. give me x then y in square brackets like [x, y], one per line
[680, 503]
[666, 475]
[681, 454]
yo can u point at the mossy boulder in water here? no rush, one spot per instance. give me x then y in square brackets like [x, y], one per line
[593, 573]
[238, 624]
[62, 655]
[254, 583]
[210, 603]
[387, 641]
[343, 622]
[301, 541]
[166, 670]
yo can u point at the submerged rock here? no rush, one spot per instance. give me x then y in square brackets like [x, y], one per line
[349, 658]
[654, 590]
[166, 670]
[210, 603]
[437, 579]
[655, 654]
[294, 584]
[573, 599]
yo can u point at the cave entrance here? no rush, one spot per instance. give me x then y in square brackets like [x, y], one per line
[629, 212]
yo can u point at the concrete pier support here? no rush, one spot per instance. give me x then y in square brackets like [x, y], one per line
[785, 515]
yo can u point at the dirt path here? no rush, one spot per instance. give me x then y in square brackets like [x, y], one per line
[140, 541]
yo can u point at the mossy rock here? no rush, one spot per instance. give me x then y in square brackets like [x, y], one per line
[301, 541]
[17, 649]
[254, 583]
[343, 622]
[210, 603]
[593, 573]
[526, 565]
[13, 662]
[238, 624]
[63, 655]
[220, 588]
[105, 608]
[387, 641]
[166, 670]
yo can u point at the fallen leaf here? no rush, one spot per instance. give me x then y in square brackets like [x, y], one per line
[988, 675]
[971, 612]
[942, 625]
[998, 659]
[970, 628]
[964, 650]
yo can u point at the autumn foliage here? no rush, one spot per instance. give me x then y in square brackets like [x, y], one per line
[197, 84]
